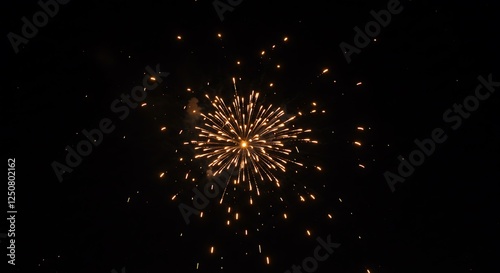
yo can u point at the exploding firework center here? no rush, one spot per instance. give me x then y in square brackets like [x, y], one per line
[243, 144]
[250, 137]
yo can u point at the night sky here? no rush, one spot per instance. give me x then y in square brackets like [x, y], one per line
[423, 78]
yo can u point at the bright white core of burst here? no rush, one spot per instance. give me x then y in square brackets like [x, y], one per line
[243, 144]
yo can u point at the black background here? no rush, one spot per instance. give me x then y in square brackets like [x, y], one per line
[442, 219]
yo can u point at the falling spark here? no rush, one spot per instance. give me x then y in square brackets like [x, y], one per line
[359, 83]
[212, 250]
[308, 233]
[330, 216]
[163, 128]
[285, 39]
[361, 166]
[361, 128]
[144, 104]
[357, 143]
[162, 174]
[267, 260]
[179, 37]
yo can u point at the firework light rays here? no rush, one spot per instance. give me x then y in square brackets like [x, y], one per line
[249, 136]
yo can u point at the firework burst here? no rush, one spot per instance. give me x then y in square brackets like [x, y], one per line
[249, 137]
